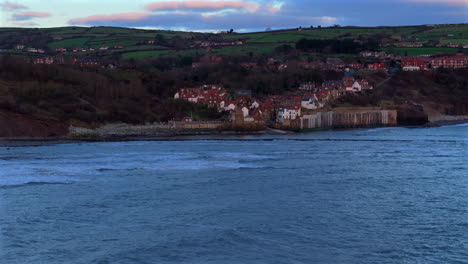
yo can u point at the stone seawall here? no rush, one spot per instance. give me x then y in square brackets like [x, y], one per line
[349, 119]
[197, 125]
[155, 129]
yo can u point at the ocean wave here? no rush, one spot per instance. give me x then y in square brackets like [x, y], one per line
[457, 125]
[29, 180]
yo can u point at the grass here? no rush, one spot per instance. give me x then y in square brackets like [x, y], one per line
[69, 43]
[245, 50]
[455, 41]
[158, 53]
[423, 51]
[320, 33]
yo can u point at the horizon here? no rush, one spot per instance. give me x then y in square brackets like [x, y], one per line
[241, 15]
[248, 32]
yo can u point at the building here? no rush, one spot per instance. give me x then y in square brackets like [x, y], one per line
[211, 95]
[287, 114]
[414, 64]
[44, 60]
[454, 62]
[377, 66]
[310, 103]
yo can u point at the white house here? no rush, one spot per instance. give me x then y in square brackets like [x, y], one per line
[309, 103]
[255, 105]
[245, 111]
[288, 114]
[358, 86]
[229, 106]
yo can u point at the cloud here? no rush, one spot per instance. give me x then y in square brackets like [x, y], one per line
[12, 6]
[29, 15]
[113, 18]
[201, 21]
[462, 3]
[202, 5]
[26, 24]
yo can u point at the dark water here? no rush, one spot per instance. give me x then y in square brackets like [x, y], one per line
[390, 195]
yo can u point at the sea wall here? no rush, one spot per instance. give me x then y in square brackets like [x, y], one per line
[154, 129]
[349, 119]
[197, 125]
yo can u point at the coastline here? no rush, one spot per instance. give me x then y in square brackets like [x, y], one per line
[182, 135]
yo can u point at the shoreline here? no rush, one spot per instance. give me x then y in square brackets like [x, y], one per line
[180, 136]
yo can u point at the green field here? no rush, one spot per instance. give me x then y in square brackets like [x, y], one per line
[455, 41]
[423, 51]
[69, 43]
[157, 53]
[134, 40]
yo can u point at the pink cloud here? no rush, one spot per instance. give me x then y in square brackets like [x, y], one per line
[462, 3]
[128, 17]
[29, 15]
[12, 6]
[202, 5]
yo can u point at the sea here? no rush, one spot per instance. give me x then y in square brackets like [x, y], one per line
[384, 195]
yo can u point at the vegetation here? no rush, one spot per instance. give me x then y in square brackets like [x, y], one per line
[175, 43]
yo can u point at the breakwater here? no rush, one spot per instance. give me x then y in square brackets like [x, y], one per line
[349, 119]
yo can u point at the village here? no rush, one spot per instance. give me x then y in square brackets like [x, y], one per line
[283, 110]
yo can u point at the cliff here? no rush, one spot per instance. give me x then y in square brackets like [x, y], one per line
[16, 125]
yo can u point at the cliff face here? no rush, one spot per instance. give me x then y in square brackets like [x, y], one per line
[15, 125]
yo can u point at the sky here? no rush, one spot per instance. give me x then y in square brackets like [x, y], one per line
[240, 15]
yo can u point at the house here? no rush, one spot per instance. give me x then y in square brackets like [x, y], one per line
[355, 66]
[282, 67]
[357, 86]
[187, 119]
[414, 64]
[248, 65]
[291, 113]
[44, 60]
[310, 86]
[61, 49]
[33, 50]
[230, 106]
[451, 45]
[335, 62]
[104, 48]
[454, 62]
[310, 103]
[19, 47]
[86, 62]
[377, 66]
[212, 95]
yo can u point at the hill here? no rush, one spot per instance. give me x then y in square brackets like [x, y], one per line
[127, 43]
[103, 75]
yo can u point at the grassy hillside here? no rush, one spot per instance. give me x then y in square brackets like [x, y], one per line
[175, 43]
